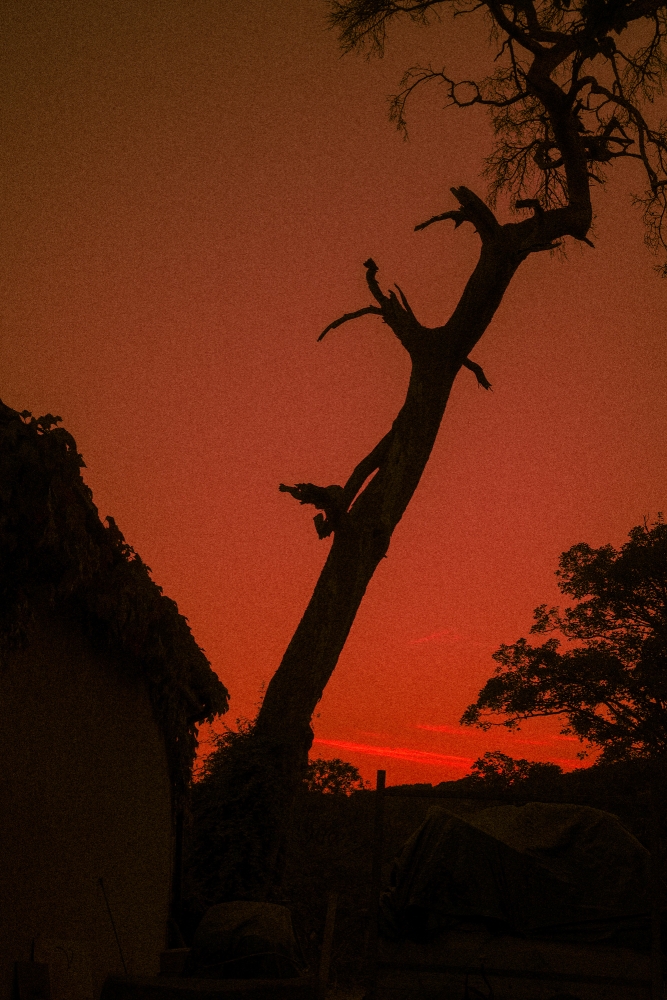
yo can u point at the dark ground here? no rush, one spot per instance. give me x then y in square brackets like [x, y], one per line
[331, 851]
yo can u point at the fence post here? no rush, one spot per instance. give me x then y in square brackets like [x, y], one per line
[327, 943]
[376, 884]
[657, 988]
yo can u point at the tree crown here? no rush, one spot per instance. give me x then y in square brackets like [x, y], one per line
[566, 98]
[498, 771]
[610, 683]
[333, 777]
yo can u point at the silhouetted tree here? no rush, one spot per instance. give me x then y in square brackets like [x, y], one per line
[566, 100]
[333, 777]
[223, 839]
[497, 771]
[610, 684]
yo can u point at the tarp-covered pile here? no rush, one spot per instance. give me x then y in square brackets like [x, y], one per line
[544, 870]
[245, 940]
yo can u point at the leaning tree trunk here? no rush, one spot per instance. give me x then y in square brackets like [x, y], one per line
[264, 769]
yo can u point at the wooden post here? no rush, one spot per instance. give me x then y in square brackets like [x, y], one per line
[177, 874]
[32, 979]
[327, 942]
[376, 884]
[657, 990]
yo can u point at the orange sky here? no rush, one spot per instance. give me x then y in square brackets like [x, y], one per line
[189, 192]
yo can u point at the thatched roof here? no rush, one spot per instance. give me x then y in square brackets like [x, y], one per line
[55, 552]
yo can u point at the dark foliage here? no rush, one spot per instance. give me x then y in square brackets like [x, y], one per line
[611, 683]
[331, 840]
[606, 81]
[495, 771]
[333, 777]
[234, 807]
[55, 553]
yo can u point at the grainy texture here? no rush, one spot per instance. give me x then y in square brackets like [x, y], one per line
[56, 553]
[331, 850]
[85, 794]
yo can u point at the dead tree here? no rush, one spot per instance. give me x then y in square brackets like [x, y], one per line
[565, 101]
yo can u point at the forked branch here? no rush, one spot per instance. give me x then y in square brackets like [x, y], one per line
[335, 500]
[472, 210]
[326, 498]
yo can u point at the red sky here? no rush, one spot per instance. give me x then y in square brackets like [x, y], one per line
[189, 192]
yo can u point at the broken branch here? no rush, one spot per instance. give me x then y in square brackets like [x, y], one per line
[326, 498]
[472, 210]
[365, 468]
[406, 304]
[349, 316]
[371, 271]
[478, 373]
[456, 215]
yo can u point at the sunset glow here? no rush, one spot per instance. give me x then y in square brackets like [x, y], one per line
[189, 194]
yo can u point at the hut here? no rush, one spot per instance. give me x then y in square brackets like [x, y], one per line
[102, 686]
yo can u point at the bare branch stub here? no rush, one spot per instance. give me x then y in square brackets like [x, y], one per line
[406, 304]
[371, 271]
[326, 498]
[478, 373]
[366, 467]
[348, 316]
[456, 215]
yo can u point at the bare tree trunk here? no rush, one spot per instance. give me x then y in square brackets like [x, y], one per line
[363, 527]
[362, 516]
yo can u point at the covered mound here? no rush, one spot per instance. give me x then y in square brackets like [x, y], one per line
[564, 872]
[246, 940]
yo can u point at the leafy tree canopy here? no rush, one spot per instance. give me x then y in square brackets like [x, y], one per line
[555, 61]
[610, 682]
[333, 777]
[224, 850]
[496, 770]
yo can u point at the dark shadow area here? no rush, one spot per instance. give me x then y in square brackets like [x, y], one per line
[331, 849]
